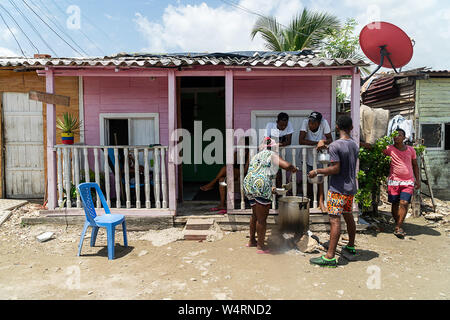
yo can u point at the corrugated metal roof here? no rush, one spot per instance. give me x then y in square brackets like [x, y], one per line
[304, 59]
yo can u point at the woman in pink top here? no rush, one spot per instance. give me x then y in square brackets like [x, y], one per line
[403, 178]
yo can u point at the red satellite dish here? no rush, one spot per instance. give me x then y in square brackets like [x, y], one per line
[386, 45]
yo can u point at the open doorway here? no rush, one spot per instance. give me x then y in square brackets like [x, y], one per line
[202, 102]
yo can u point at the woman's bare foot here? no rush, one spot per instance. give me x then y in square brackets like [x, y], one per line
[251, 244]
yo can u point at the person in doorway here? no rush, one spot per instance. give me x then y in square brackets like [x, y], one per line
[403, 178]
[314, 129]
[258, 190]
[281, 130]
[342, 171]
[222, 175]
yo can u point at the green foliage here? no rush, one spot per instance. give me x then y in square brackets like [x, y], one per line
[306, 30]
[420, 149]
[374, 168]
[340, 95]
[68, 123]
[343, 43]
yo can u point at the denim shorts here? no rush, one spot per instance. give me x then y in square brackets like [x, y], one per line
[260, 200]
[400, 192]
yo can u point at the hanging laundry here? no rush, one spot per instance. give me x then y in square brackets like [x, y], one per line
[400, 122]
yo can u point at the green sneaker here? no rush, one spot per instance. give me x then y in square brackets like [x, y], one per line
[350, 250]
[324, 262]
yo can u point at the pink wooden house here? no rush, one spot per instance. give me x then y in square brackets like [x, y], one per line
[131, 102]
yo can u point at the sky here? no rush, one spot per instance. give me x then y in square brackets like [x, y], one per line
[107, 27]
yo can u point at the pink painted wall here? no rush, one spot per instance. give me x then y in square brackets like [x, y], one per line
[123, 94]
[140, 94]
[287, 93]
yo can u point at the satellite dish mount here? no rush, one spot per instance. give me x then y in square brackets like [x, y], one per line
[387, 41]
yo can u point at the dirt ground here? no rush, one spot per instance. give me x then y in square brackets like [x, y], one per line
[155, 266]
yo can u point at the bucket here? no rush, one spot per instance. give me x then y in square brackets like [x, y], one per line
[293, 214]
[67, 138]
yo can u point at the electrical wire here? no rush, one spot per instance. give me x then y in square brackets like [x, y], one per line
[81, 31]
[57, 25]
[51, 28]
[12, 33]
[238, 6]
[32, 26]
[93, 24]
[18, 25]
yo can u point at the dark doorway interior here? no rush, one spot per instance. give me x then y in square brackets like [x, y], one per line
[202, 99]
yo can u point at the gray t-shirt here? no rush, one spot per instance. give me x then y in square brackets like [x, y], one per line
[346, 153]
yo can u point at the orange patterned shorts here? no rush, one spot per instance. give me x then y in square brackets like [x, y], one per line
[339, 203]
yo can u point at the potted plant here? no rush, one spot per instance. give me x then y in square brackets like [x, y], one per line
[68, 124]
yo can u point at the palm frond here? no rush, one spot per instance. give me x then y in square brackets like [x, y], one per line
[270, 31]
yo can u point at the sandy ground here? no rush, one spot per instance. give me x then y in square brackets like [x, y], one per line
[155, 266]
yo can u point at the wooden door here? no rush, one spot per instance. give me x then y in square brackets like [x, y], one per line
[24, 146]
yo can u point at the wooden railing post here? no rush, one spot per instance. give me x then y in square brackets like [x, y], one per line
[315, 186]
[147, 179]
[294, 175]
[156, 178]
[117, 176]
[127, 177]
[137, 181]
[77, 174]
[163, 178]
[106, 173]
[67, 177]
[97, 175]
[304, 173]
[241, 175]
[60, 177]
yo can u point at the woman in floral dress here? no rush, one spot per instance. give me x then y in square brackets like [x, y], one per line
[258, 189]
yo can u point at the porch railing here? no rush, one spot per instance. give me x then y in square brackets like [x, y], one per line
[74, 163]
[297, 156]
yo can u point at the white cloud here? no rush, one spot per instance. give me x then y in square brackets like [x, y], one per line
[204, 28]
[5, 52]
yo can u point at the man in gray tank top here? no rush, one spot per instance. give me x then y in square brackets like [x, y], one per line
[342, 171]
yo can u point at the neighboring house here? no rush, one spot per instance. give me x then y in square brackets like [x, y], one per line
[130, 102]
[22, 143]
[423, 96]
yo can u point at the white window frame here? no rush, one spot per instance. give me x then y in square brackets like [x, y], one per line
[274, 113]
[442, 147]
[129, 116]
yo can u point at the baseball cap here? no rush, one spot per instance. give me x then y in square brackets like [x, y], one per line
[317, 116]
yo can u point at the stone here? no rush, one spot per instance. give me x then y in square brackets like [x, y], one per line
[142, 253]
[44, 236]
[307, 244]
[434, 216]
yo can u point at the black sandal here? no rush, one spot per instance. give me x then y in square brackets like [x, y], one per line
[399, 233]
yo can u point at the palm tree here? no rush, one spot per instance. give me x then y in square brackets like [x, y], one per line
[306, 30]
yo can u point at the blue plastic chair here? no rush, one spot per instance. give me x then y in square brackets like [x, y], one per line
[108, 220]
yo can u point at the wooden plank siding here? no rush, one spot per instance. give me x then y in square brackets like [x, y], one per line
[24, 82]
[433, 106]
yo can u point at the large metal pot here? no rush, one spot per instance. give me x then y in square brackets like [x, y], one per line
[293, 214]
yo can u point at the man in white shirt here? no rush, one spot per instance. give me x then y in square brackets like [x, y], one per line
[312, 131]
[281, 130]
